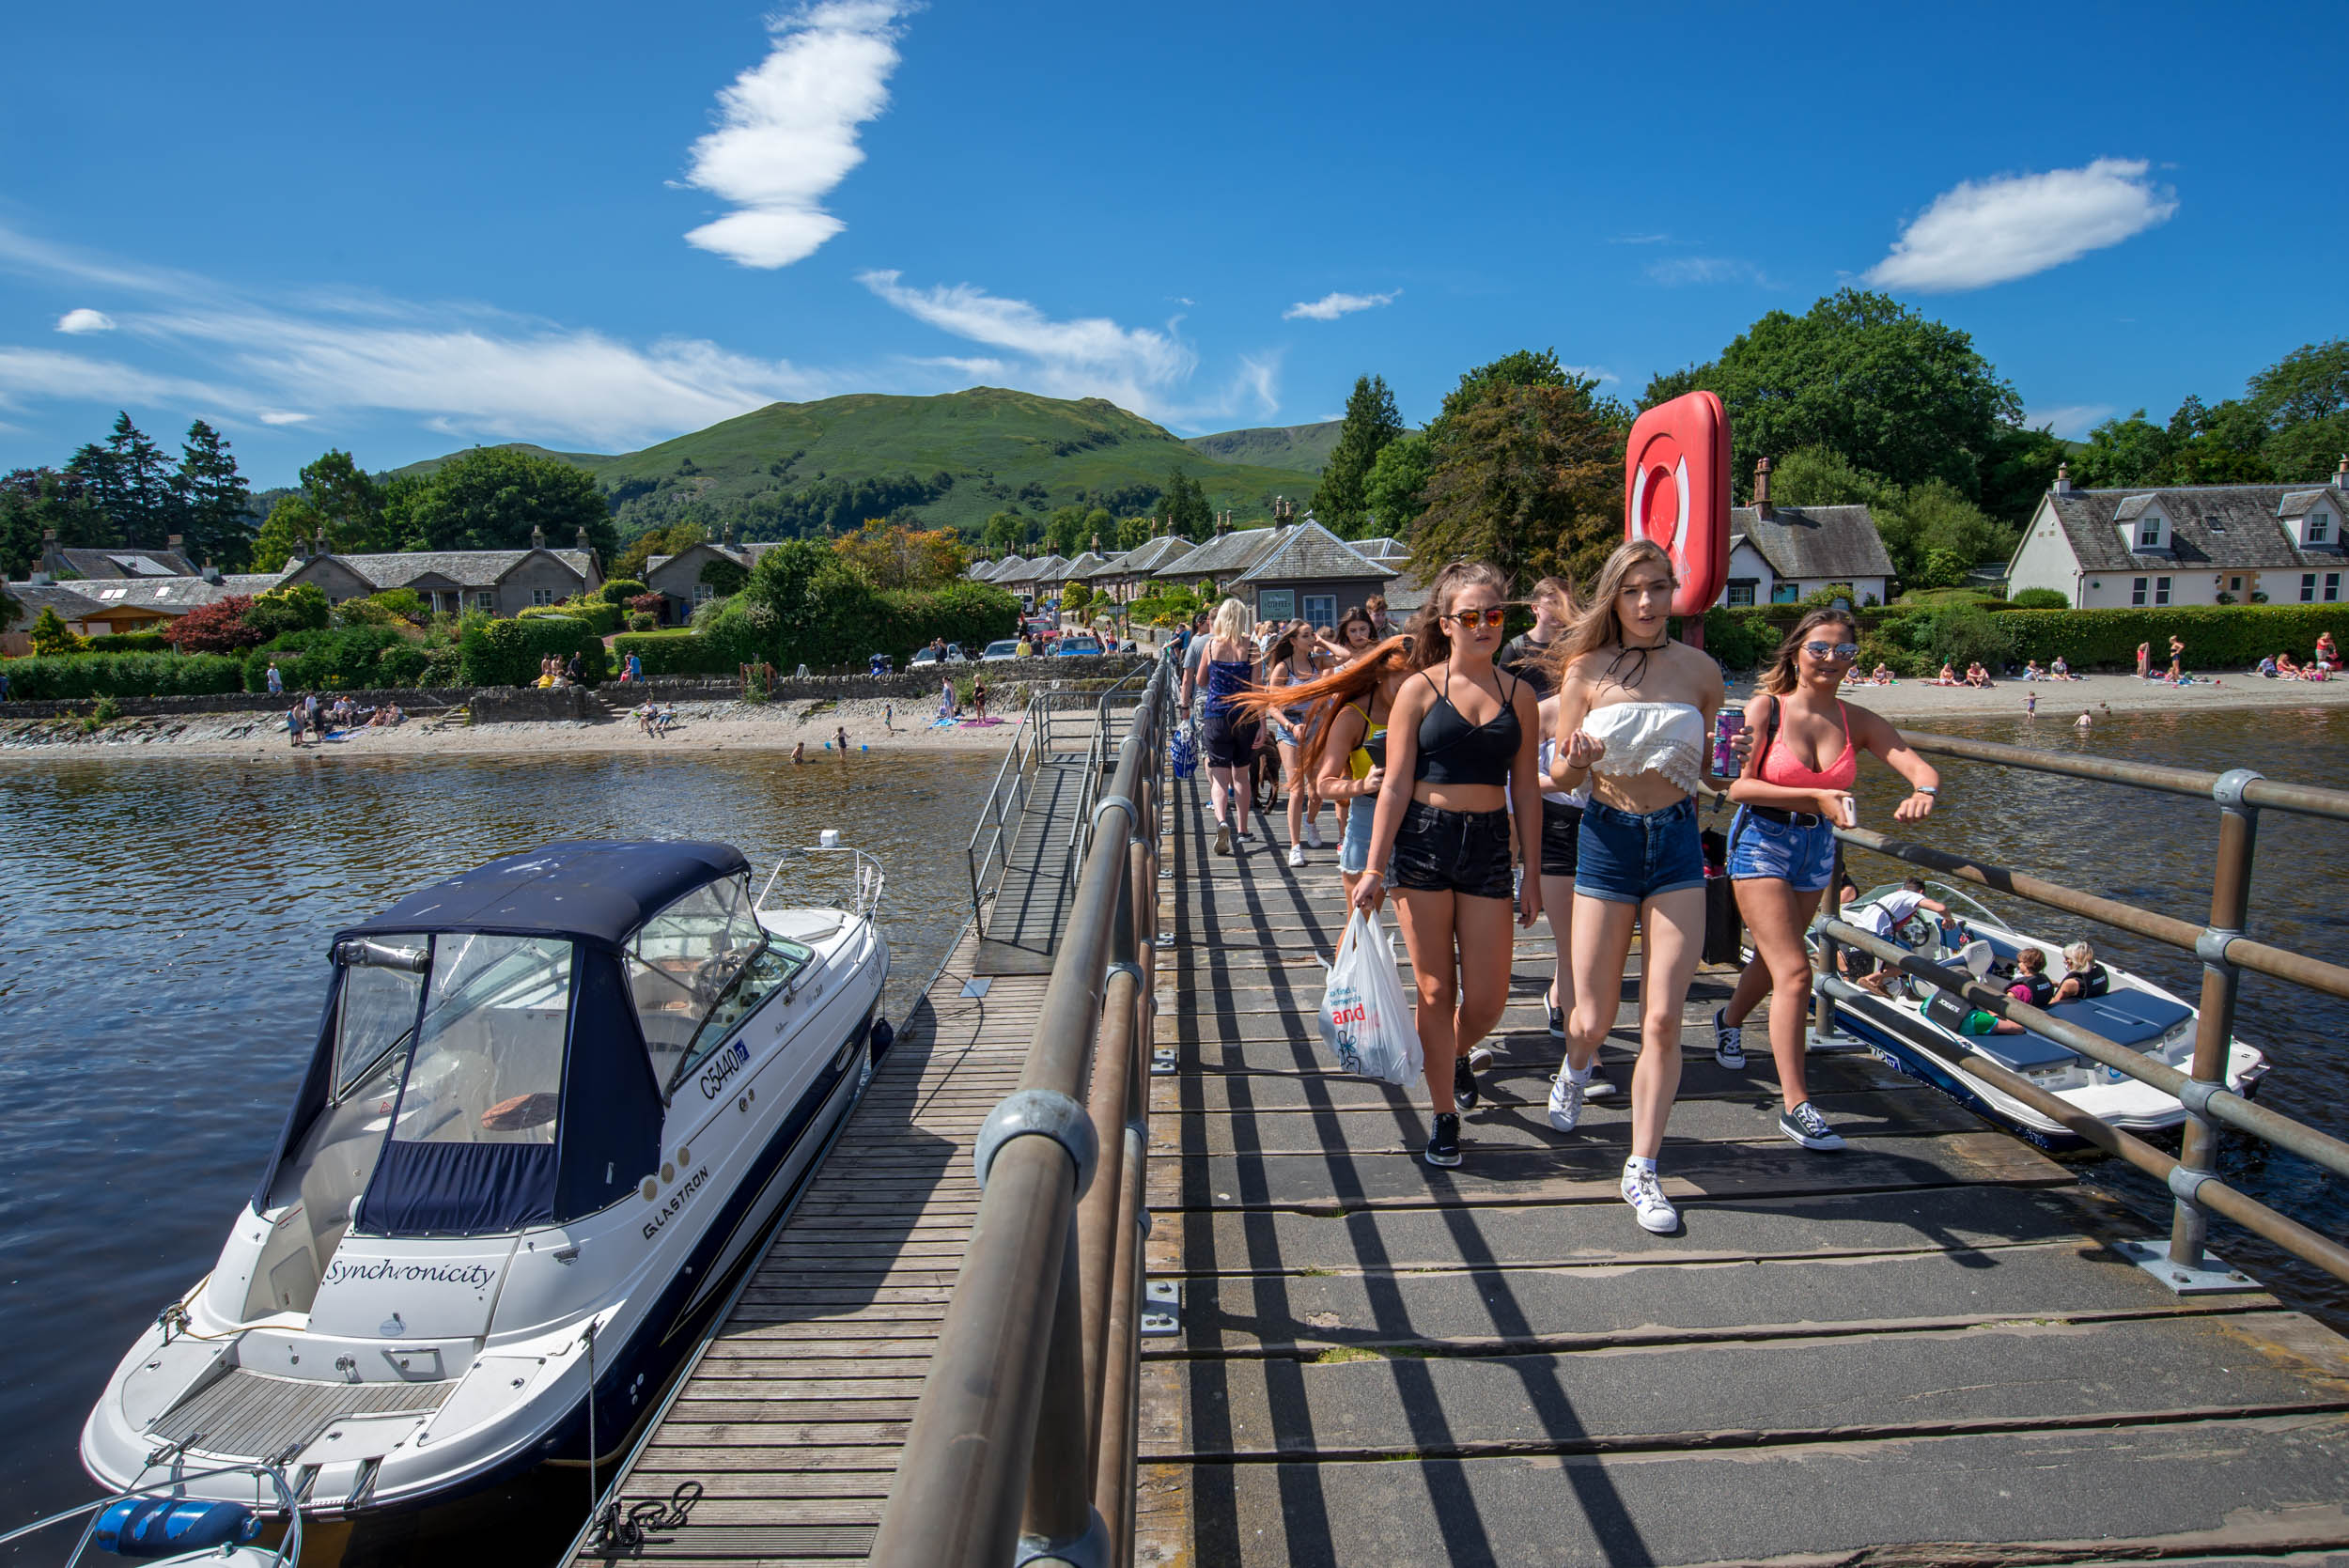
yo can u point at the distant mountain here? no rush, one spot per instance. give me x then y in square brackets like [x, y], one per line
[1303, 447]
[954, 459]
[578, 459]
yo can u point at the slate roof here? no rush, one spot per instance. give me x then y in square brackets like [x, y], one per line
[2248, 532]
[1839, 543]
[1224, 556]
[1150, 557]
[250, 583]
[115, 565]
[34, 597]
[1310, 553]
[2297, 503]
[1085, 566]
[1380, 548]
[1406, 596]
[466, 569]
[170, 595]
[1047, 569]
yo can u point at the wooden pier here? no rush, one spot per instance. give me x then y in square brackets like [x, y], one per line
[1918, 1350]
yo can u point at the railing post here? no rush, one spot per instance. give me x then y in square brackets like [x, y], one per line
[1823, 1004]
[1059, 1524]
[2214, 1033]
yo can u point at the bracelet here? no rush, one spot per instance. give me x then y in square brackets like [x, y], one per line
[1934, 790]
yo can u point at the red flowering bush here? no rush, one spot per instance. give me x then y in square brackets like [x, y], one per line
[215, 628]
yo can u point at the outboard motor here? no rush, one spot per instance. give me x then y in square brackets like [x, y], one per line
[166, 1527]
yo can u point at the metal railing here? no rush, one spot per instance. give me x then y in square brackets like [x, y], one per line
[1023, 1444]
[1006, 802]
[2225, 952]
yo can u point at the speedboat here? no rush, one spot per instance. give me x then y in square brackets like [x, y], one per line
[1920, 1030]
[554, 1105]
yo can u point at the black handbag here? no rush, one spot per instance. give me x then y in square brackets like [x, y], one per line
[1725, 932]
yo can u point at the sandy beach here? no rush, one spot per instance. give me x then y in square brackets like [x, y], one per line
[779, 726]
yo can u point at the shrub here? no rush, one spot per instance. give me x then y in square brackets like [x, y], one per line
[2040, 598]
[1876, 648]
[220, 626]
[642, 620]
[1962, 634]
[971, 613]
[674, 653]
[132, 642]
[1740, 639]
[300, 607]
[443, 666]
[2218, 637]
[50, 637]
[602, 619]
[1820, 598]
[506, 653]
[620, 590]
[123, 675]
[343, 659]
[392, 607]
[648, 604]
[403, 663]
[107, 710]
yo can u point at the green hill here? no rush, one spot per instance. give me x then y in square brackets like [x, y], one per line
[581, 459]
[951, 460]
[1303, 447]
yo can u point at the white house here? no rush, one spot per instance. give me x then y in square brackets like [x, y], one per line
[1781, 554]
[2188, 544]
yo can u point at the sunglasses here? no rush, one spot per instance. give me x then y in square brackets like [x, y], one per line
[1831, 650]
[1492, 617]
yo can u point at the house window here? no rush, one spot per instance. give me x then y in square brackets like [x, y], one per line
[541, 597]
[2161, 590]
[2308, 588]
[2149, 532]
[1276, 604]
[2332, 588]
[2234, 585]
[484, 601]
[1786, 593]
[1740, 594]
[2320, 528]
[1322, 611]
[2136, 591]
[703, 593]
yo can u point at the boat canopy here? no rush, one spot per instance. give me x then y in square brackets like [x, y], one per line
[481, 1065]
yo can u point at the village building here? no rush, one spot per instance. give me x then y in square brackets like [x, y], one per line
[501, 583]
[2188, 544]
[1222, 558]
[113, 564]
[1129, 576]
[680, 579]
[1783, 554]
[1310, 574]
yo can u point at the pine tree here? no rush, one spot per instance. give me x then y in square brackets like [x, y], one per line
[1371, 425]
[149, 505]
[1185, 506]
[217, 501]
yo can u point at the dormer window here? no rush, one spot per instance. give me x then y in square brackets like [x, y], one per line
[2149, 530]
[2320, 526]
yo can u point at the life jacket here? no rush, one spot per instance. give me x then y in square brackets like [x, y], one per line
[2041, 989]
[2093, 981]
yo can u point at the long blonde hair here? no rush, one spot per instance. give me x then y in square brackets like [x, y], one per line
[1779, 677]
[1430, 644]
[1597, 625]
[1232, 621]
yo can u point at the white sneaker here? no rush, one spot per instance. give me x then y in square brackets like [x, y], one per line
[1480, 1058]
[1645, 1194]
[1313, 834]
[1599, 1088]
[1565, 1102]
[1297, 854]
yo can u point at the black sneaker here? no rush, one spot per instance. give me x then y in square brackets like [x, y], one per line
[1464, 1083]
[1728, 1043]
[1557, 1022]
[1806, 1127]
[1444, 1145]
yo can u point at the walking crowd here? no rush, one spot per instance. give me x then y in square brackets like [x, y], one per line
[1480, 782]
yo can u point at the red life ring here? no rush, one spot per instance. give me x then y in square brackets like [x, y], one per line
[1675, 490]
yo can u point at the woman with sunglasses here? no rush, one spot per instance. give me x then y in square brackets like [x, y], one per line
[1634, 711]
[1793, 791]
[1461, 740]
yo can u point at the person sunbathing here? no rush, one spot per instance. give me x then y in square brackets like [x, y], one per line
[1976, 676]
[1881, 675]
[1947, 678]
[2059, 670]
[2286, 668]
[2032, 671]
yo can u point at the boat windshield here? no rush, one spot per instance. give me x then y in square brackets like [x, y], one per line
[487, 1062]
[683, 960]
[376, 1015]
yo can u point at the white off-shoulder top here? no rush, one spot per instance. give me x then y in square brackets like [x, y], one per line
[1650, 737]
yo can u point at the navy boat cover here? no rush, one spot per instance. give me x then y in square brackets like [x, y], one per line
[595, 890]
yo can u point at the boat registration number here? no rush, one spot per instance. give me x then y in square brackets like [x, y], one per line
[730, 1060]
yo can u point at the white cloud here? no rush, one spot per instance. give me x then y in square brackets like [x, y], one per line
[1330, 306]
[1593, 372]
[1140, 368]
[28, 375]
[787, 129]
[2008, 227]
[1639, 239]
[2071, 421]
[1682, 271]
[76, 322]
[281, 416]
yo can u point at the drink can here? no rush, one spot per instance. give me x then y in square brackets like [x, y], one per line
[1727, 726]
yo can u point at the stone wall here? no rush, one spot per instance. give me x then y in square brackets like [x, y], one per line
[414, 699]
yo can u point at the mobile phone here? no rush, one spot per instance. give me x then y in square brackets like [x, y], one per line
[1727, 725]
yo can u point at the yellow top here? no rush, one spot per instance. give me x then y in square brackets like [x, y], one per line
[1357, 765]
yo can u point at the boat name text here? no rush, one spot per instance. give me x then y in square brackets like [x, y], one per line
[668, 1211]
[412, 1273]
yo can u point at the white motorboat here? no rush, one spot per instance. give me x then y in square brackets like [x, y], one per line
[1922, 1031]
[555, 1104]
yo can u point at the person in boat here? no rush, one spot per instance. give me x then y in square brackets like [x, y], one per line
[1884, 917]
[1634, 718]
[1227, 733]
[1462, 743]
[2083, 977]
[1982, 1021]
[2031, 983]
[1794, 790]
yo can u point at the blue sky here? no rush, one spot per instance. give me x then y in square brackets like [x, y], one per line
[596, 226]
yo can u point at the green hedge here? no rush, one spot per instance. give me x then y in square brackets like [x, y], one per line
[122, 674]
[604, 618]
[506, 653]
[971, 613]
[674, 653]
[344, 659]
[2218, 637]
[131, 641]
[620, 590]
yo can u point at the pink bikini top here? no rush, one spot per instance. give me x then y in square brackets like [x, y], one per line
[1780, 768]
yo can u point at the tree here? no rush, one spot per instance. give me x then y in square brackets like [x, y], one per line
[892, 555]
[1003, 532]
[1133, 533]
[2019, 467]
[1184, 506]
[1371, 425]
[349, 498]
[493, 497]
[219, 627]
[2124, 453]
[278, 611]
[50, 636]
[1064, 532]
[1862, 375]
[2307, 386]
[34, 499]
[216, 503]
[675, 539]
[131, 481]
[1525, 367]
[1529, 478]
[1395, 490]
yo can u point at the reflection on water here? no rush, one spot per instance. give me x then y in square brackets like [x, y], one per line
[163, 927]
[2156, 851]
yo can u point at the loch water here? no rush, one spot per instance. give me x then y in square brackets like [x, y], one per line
[162, 922]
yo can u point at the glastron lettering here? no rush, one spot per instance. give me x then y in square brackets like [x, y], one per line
[730, 1060]
[668, 1211]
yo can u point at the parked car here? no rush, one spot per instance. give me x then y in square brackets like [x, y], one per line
[1078, 645]
[998, 652]
[930, 656]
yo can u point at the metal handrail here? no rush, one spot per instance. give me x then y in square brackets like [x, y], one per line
[1023, 1441]
[2221, 943]
[1011, 779]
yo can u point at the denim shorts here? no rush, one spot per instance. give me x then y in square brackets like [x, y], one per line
[1761, 849]
[1354, 849]
[1456, 851]
[1630, 857]
[1562, 837]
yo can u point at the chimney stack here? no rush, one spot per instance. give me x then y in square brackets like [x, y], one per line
[2340, 474]
[538, 538]
[211, 572]
[52, 563]
[317, 543]
[1762, 488]
[2063, 479]
[726, 537]
[171, 542]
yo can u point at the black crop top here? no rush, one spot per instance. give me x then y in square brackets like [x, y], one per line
[1452, 750]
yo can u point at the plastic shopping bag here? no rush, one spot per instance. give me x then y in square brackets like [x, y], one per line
[1365, 1019]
